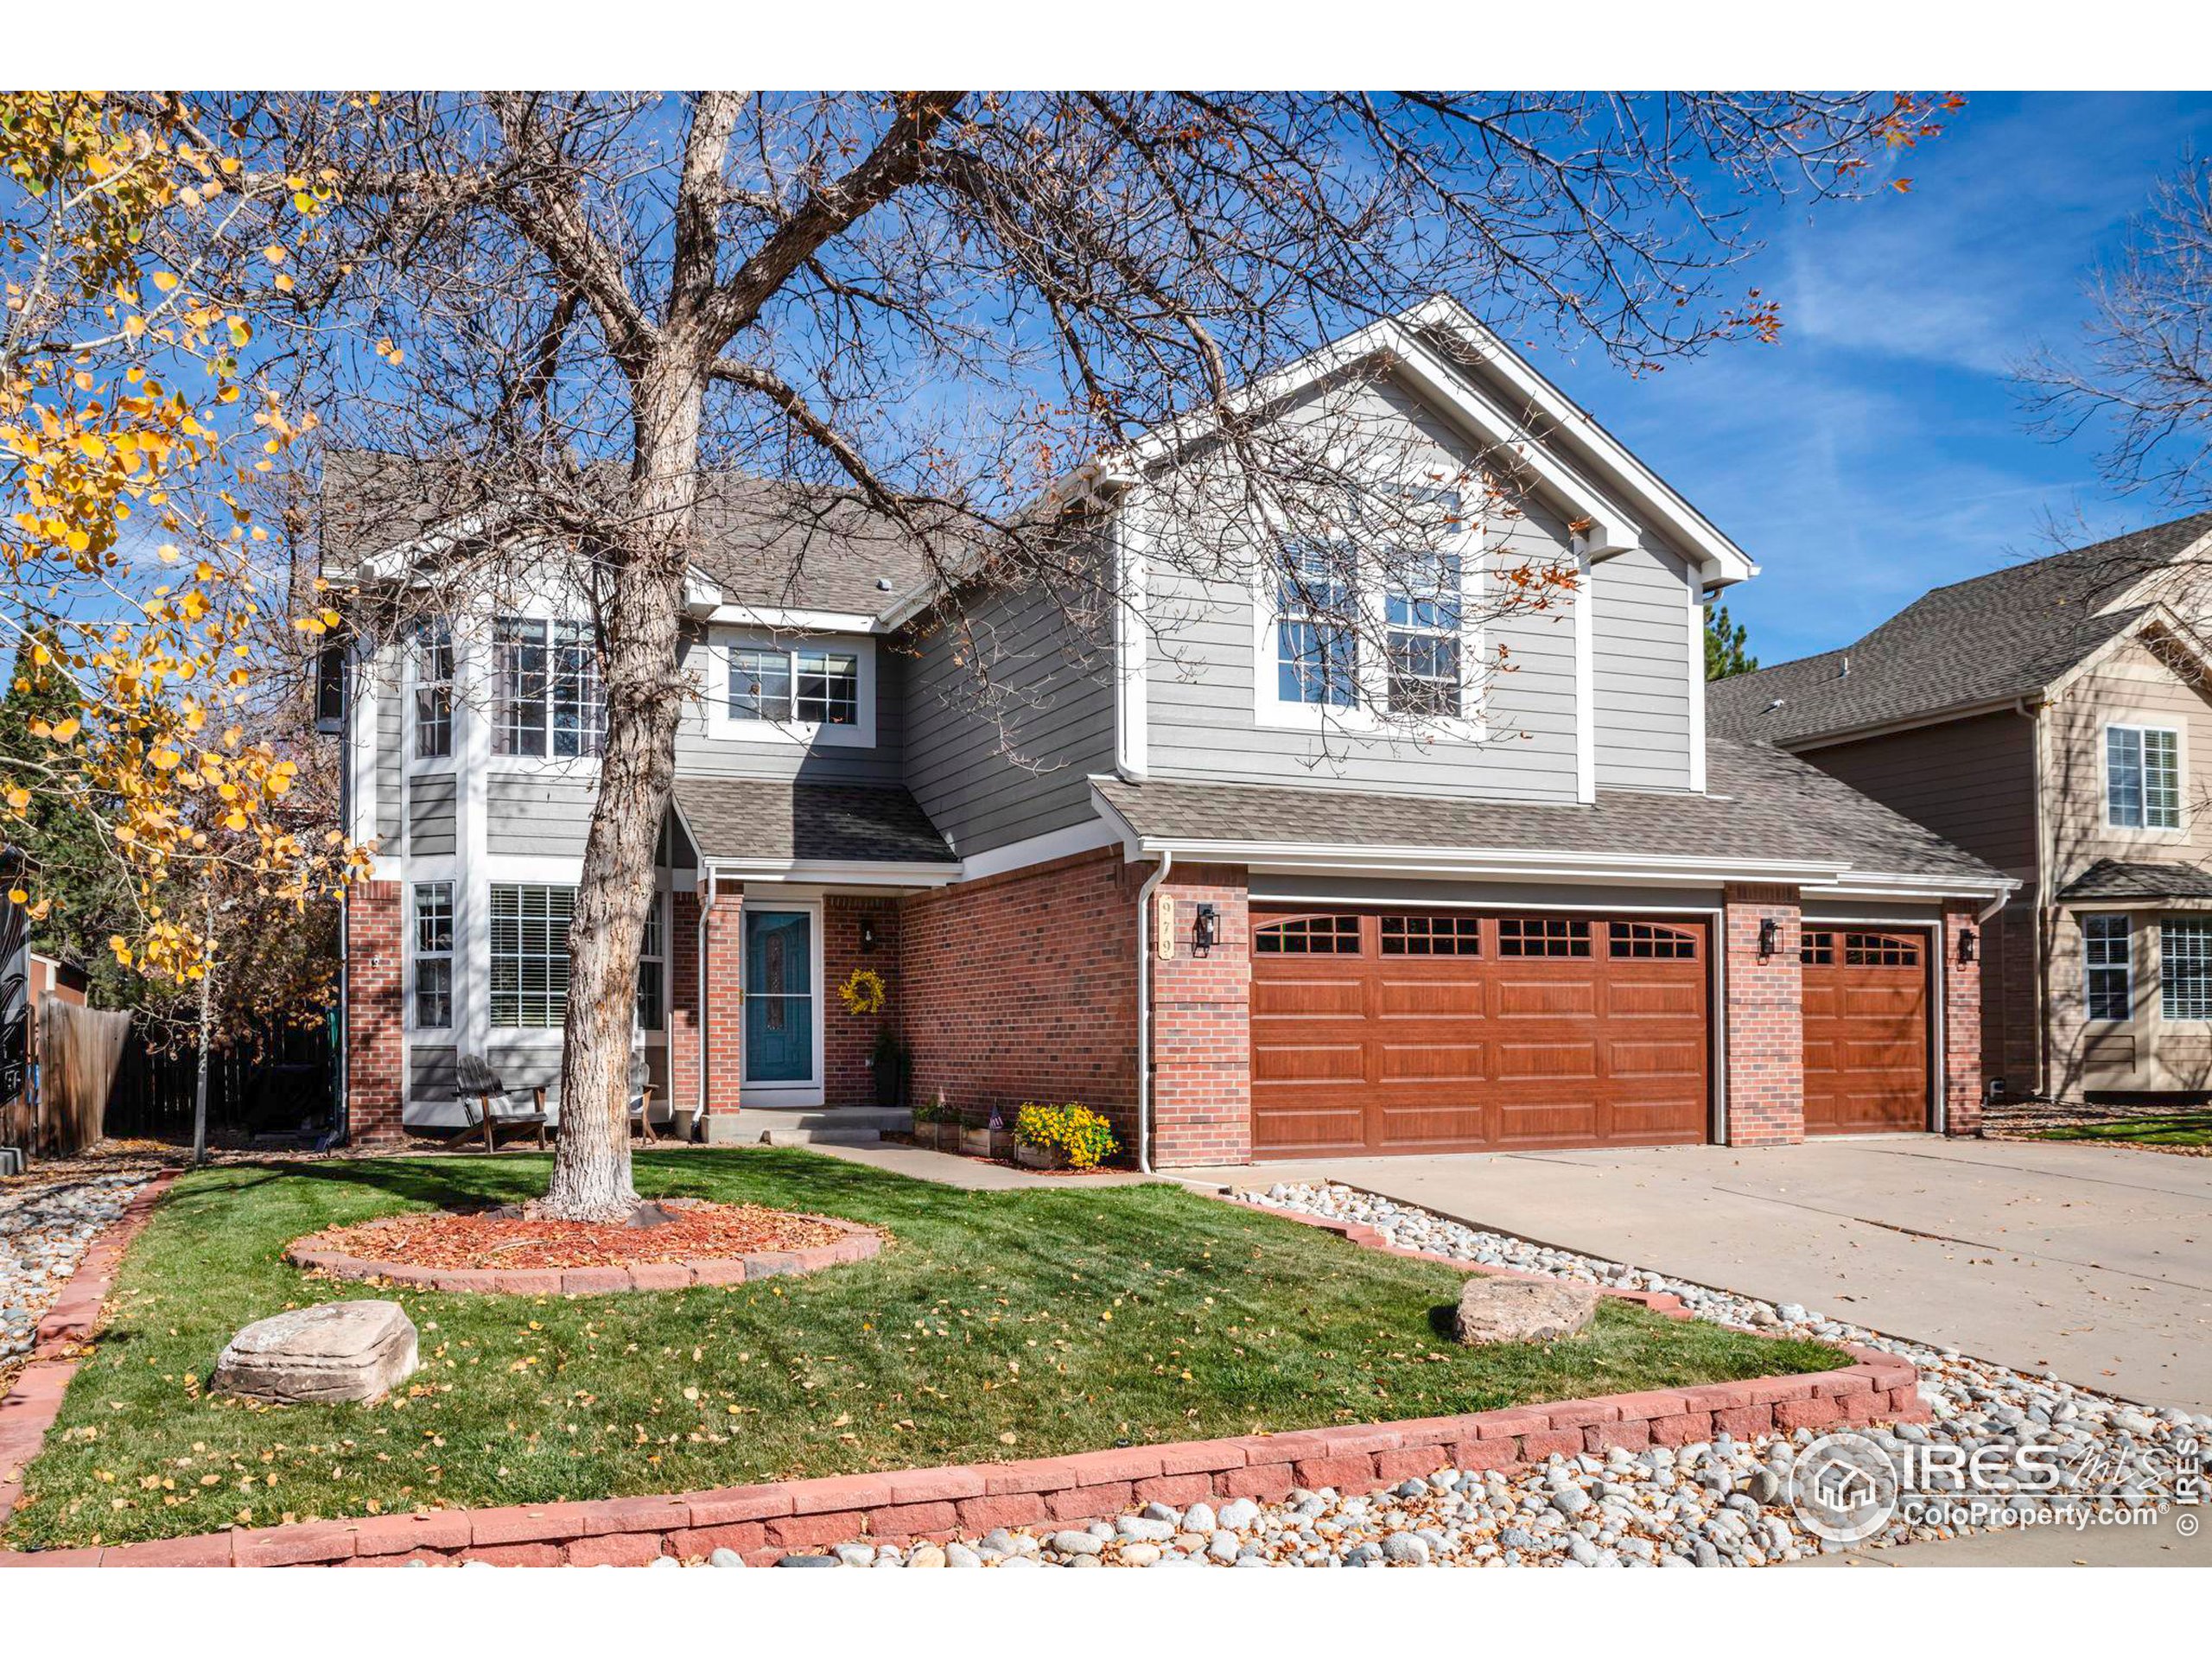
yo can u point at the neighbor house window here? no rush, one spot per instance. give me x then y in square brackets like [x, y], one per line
[433, 954]
[1423, 610]
[810, 687]
[2142, 777]
[2107, 969]
[652, 962]
[1316, 647]
[2185, 969]
[433, 658]
[550, 703]
[529, 954]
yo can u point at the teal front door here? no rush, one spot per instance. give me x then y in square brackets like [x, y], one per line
[779, 996]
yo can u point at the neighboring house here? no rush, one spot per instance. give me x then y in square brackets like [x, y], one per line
[2049, 718]
[1211, 895]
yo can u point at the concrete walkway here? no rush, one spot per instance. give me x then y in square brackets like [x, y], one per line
[2158, 1545]
[970, 1174]
[2092, 1261]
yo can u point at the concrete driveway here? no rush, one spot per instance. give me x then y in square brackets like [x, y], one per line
[2095, 1262]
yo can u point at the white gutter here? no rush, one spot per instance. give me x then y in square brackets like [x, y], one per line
[706, 909]
[853, 873]
[1144, 1010]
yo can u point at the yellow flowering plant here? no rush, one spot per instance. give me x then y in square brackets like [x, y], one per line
[1079, 1135]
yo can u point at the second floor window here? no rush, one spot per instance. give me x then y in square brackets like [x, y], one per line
[1422, 613]
[433, 954]
[806, 686]
[2107, 974]
[1317, 641]
[432, 657]
[529, 954]
[550, 703]
[2142, 777]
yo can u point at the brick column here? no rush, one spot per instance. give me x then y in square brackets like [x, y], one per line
[724, 1007]
[848, 1039]
[1765, 1019]
[1963, 1069]
[376, 1085]
[1202, 1028]
[683, 1002]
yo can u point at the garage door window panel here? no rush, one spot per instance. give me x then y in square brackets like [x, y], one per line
[1432, 936]
[1651, 942]
[1308, 936]
[1543, 936]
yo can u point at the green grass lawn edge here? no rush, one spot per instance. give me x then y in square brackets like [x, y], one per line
[2174, 1129]
[993, 1326]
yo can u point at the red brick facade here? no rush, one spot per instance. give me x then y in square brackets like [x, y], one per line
[1202, 1033]
[1023, 987]
[683, 1001]
[848, 1039]
[1962, 1046]
[1765, 1019]
[376, 987]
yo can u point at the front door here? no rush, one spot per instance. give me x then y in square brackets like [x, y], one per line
[779, 993]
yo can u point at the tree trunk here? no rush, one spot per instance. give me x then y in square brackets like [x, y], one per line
[207, 1040]
[591, 1167]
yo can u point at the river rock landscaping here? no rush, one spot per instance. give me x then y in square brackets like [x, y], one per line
[45, 1226]
[1724, 1503]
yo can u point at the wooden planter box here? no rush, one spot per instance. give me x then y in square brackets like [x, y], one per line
[944, 1137]
[1040, 1158]
[981, 1141]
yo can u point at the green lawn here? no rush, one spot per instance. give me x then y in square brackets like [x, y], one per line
[2175, 1129]
[996, 1325]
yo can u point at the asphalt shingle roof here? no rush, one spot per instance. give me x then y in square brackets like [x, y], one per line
[2113, 878]
[1761, 804]
[750, 817]
[2006, 634]
[763, 542]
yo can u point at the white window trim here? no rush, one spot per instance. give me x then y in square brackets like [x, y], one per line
[2129, 930]
[2155, 831]
[484, 660]
[725, 728]
[1368, 714]
[455, 974]
[812, 1092]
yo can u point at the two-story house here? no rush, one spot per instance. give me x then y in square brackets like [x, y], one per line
[1198, 884]
[2049, 718]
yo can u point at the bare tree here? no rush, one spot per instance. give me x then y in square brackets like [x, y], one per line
[2145, 373]
[952, 316]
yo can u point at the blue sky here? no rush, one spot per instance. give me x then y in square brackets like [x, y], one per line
[1879, 450]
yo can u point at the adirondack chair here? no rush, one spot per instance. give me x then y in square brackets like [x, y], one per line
[641, 1101]
[490, 1109]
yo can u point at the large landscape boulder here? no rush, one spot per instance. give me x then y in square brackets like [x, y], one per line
[315, 1356]
[1522, 1310]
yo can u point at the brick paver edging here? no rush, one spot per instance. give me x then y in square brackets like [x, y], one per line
[30, 1406]
[858, 1244]
[766, 1521]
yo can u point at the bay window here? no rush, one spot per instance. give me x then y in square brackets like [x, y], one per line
[529, 954]
[2108, 972]
[550, 699]
[2186, 968]
[431, 657]
[433, 943]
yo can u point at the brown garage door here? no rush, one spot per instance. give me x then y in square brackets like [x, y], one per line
[1865, 999]
[1406, 1032]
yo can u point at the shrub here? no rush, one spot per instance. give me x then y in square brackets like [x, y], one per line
[1076, 1132]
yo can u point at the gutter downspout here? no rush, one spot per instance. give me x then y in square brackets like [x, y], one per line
[706, 909]
[1144, 1010]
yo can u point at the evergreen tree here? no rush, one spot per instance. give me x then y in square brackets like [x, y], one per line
[1724, 645]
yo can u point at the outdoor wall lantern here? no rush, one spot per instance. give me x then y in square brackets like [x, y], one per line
[1770, 936]
[868, 934]
[1204, 930]
[1965, 945]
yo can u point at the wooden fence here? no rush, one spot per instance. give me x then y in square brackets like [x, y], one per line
[98, 1075]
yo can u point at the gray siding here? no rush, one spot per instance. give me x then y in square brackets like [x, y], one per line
[987, 776]
[391, 737]
[699, 755]
[1201, 699]
[430, 817]
[1640, 656]
[549, 816]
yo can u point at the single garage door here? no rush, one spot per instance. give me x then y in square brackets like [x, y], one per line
[1866, 998]
[1404, 1031]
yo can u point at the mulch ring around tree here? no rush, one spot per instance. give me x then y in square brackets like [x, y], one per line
[671, 1244]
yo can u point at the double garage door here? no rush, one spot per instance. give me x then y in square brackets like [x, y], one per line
[1400, 1032]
